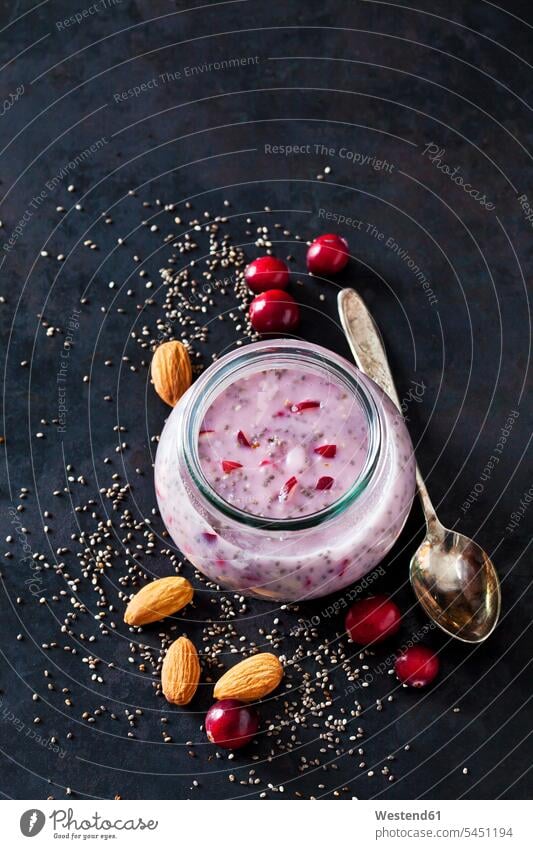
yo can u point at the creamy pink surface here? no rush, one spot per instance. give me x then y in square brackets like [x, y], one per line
[301, 441]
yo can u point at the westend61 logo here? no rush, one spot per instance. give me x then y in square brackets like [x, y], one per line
[65, 824]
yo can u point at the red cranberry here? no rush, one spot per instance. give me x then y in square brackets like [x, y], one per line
[417, 666]
[230, 724]
[209, 538]
[328, 451]
[274, 311]
[230, 466]
[301, 406]
[242, 439]
[266, 272]
[328, 254]
[287, 488]
[372, 620]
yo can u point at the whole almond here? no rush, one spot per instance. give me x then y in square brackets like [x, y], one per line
[250, 679]
[171, 371]
[157, 600]
[181, 672]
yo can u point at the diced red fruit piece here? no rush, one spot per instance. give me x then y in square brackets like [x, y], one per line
[417, 666]
[328, 254]
[203, 432]
[328, 451]
[325, 482]
[287, 488]
[230, 466]
[304, 405]
[274, 311]
[242, 439]
[231, 724]
[343, 565]
[372, 620]
[266, 463]
[210, 538]
[266, 272]
[280, 414]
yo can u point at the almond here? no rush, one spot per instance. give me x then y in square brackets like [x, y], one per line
[251, 679]
[171, 371]
[181, 672]
[157, 600]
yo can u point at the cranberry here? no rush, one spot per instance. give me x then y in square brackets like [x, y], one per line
[287, 488]
[417, 666]
[328, 254]
[328, 451]
[274, 312]
[372, 620]
[304, 405]
[325, 482]
[231, 724]
[242, 439]
[209, 538]
[230, 466]
[266, 272]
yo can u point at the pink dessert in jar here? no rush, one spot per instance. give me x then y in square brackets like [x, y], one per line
[284, 472]
[281, 443]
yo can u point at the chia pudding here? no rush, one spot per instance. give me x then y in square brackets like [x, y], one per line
[283, 443]
[284, 472]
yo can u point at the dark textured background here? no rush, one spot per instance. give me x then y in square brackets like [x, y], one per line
[381, 79]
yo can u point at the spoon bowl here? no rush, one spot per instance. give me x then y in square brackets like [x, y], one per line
[456, 583]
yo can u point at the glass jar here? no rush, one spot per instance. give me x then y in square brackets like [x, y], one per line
[296, 558]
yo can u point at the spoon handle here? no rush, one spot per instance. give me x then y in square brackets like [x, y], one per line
[370, 357]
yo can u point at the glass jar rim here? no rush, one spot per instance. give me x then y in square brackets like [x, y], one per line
[253, 357]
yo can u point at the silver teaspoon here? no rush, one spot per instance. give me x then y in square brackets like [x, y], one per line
[453, 578]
